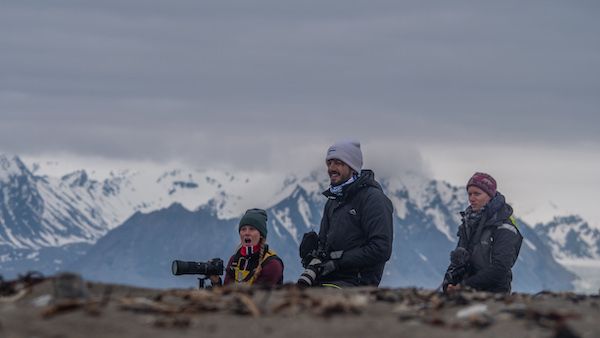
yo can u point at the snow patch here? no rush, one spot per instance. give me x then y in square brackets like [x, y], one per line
[304, 210]
[543, 213]
[283, 217]
[399, 206]
[9, 167]
[440, 223]
[588, 271]
[529, 244]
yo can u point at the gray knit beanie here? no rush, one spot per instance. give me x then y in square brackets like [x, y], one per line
[256, 218]
[347, 151]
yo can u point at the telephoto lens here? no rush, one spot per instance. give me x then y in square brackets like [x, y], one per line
[212, 267]
[309, 276]
[188, 268]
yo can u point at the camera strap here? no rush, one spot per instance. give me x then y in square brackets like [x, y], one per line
[244, 271]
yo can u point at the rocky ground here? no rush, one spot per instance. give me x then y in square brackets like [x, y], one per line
[66, 306]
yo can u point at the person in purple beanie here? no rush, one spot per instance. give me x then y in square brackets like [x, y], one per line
[488, 241]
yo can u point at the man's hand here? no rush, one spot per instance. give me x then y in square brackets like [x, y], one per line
[453, 288]
[327, 268]
[215, 280]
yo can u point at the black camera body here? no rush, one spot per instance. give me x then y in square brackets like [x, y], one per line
[459, 262]
[213, 267]
[312, 263]
[313, 256]
[455, 274]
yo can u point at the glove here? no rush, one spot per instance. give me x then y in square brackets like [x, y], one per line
[215, 280]
[327, 268]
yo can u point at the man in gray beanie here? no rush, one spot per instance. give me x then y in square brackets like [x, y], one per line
[356, 233]
[347, 151]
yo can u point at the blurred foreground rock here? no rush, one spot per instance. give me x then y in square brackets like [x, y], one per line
[66, 306]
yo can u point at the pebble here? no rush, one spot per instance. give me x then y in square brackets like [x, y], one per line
[472, 310]
[42, 300]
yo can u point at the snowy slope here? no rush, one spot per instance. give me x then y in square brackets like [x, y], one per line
[576, 245]
[571, 238]
[42, 211]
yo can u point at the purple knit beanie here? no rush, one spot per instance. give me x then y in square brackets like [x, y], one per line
[484, 182]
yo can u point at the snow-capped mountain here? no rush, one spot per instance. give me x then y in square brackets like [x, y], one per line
[545, 212]
[47, 222]
[576, 246]
[37, 212]
[128, 227]
[425, 221]
[571, 238]
[42, 211]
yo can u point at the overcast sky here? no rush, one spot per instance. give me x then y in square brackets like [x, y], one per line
[442, 87]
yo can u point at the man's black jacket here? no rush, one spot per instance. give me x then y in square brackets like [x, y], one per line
[360, 223]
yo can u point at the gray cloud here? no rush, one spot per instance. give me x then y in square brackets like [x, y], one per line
[246, 82]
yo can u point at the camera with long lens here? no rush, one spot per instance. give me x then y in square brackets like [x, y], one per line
[311, 273]
[313, 256]
[213, 267]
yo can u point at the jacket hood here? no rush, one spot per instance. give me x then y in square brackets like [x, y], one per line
[497, 209]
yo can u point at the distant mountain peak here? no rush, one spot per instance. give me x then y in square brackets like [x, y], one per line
[544, 213]
[11, 166]
[77, 178]
[571, 237]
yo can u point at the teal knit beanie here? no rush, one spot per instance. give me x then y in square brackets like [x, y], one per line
[256, 218]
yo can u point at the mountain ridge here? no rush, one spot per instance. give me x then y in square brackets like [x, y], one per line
[425, 218]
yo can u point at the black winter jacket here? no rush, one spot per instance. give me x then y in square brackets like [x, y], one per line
[494, 244]
[359, 223]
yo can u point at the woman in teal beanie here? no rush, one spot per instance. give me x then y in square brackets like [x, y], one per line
[253, 262]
